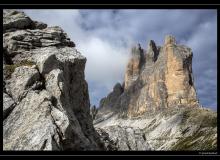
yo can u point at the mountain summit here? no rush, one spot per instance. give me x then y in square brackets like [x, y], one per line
[156, 78]
[157, 107]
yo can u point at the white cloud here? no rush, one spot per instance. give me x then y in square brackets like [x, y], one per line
[106, 57]
[105, 36]
[106, 63]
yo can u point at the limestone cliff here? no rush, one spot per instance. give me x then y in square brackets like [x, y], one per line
[157, 78]
[134, 66]
[45, 101]
[157, 106]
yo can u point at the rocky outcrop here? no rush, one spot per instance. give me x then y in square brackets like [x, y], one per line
[123, 138]
[15, 20]
[157, 78]
[110, 145]
[46, 100]
[106, 102]
[18, 44]
[182, 128]
[158, 101]
[134, 66]
[179, 70]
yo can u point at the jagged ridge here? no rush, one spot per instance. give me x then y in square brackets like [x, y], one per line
[158, 100]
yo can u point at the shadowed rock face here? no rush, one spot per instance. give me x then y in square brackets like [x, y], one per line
[157, 107]
[46, 100]
[134, 66]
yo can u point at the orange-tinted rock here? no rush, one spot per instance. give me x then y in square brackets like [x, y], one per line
[157, 78]
[179, 79]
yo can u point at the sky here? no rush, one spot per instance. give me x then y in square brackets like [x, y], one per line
[105, 37]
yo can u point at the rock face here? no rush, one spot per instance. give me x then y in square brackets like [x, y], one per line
[158, 78]
[157, 94]
[46, 100]
[123, 138]
[134, 66]
[107, 103]
[183, 128]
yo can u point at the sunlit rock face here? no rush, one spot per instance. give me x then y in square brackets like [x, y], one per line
[157, 106]
[46, 99]
[179, 78]
[157, 78]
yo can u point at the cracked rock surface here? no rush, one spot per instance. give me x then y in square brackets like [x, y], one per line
[46, 100]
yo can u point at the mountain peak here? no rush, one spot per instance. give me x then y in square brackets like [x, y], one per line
[136, 50]
[152, 52]
[169, 39]
[157, 79]
[158, 108]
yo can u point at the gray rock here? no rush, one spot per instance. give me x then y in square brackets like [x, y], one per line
[112, 97]
[180, 128]
[38, 25]
[123, 138]
[8, 105]
[46, 80]
[49, 58]
[21, 80]
[13, 19]
[110, 145]
[54, 85]
[106, 104]
[18, 44]
[30, 126]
